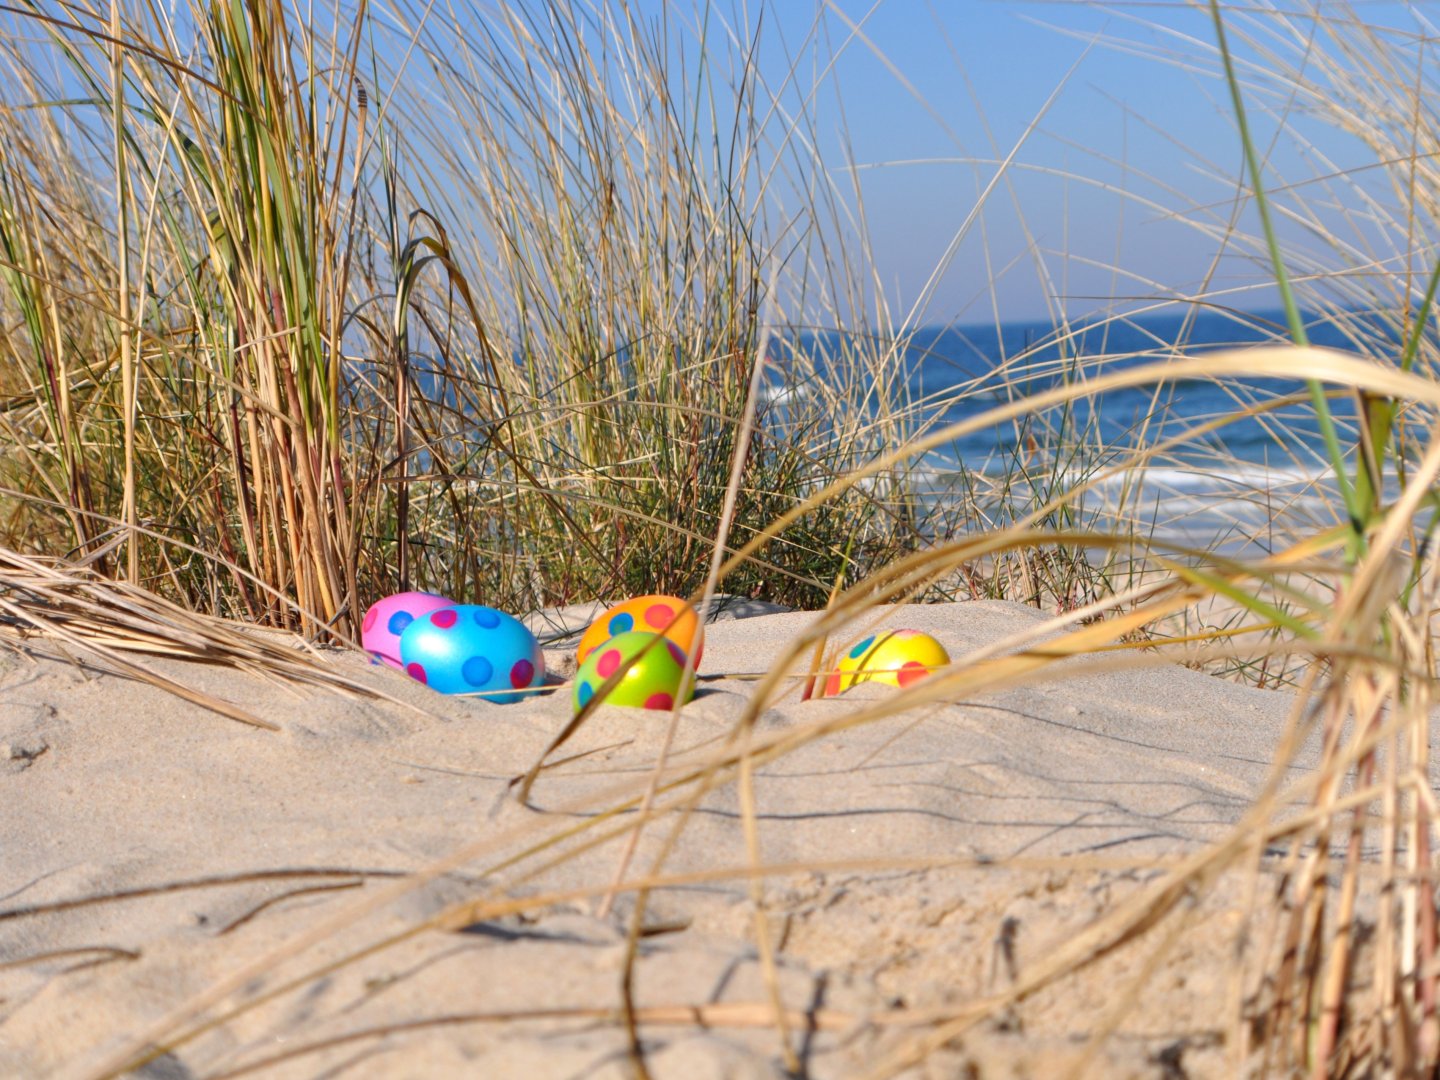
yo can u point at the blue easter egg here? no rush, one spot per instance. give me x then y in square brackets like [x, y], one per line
[470, 648]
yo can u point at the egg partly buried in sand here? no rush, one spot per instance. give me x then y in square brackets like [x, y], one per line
[471, 648]
[897, 657]
[668, 615]
[651, 682]
[387, 619]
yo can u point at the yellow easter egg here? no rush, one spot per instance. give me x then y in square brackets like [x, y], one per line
[896, 657]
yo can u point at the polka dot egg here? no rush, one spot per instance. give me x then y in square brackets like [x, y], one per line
[387, 619]
[897, 657]
[668, 615]
[651, 682]
[470, 648]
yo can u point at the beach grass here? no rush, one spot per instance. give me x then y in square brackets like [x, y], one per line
[436, 337]
[549, 303]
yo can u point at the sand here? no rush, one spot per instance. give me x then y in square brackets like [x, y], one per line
[259, 858]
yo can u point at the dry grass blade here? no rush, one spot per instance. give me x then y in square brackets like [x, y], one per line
[94, 954]
[736, 1014]
[105, 648]
[108, 619]
[220, 881]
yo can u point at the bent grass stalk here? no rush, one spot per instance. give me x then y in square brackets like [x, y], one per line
[1282, 275]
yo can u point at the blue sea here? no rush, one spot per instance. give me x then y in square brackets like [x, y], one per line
[1247, 484]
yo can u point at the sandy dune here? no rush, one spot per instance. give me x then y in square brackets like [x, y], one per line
[244, 840]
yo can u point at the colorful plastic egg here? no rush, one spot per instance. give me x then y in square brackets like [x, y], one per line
[470, 648]
[387, 619]
[897, 657]
[668, 615]
[652, 682]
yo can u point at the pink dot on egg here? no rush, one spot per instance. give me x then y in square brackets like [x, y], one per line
[676, 653]
[660, 701]
[910, 671]
[521, 674]
[370, 617]
[659, 616]
[608, 662]
[444, 619]
[416, 672]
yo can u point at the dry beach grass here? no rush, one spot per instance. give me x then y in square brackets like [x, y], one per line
[287, 328]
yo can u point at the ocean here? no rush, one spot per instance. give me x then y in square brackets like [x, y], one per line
[1246, 485]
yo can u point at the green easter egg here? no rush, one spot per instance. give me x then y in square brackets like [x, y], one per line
[652, 682]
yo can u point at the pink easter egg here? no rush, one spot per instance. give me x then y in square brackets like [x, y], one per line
[387, 619]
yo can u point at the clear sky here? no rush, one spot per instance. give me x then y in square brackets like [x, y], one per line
[1124, 161]
[1124, 177]
[1119, 186]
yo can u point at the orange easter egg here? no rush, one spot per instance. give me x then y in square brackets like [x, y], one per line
[668, 615]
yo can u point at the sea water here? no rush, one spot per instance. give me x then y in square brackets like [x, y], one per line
[1253, 482]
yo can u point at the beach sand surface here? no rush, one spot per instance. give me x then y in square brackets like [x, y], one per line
[167, 870]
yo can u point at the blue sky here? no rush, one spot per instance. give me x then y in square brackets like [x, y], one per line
[1118, 190]
[1141, 112]
[1126, 185]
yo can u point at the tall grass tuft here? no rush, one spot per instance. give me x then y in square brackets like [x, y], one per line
[489, 332]
[205, 364]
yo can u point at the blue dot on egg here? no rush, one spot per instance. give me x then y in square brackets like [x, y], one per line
[859, 650]
[586, 693]
[477, 671]
[622, 624]
[399, 621]
[487, 618]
